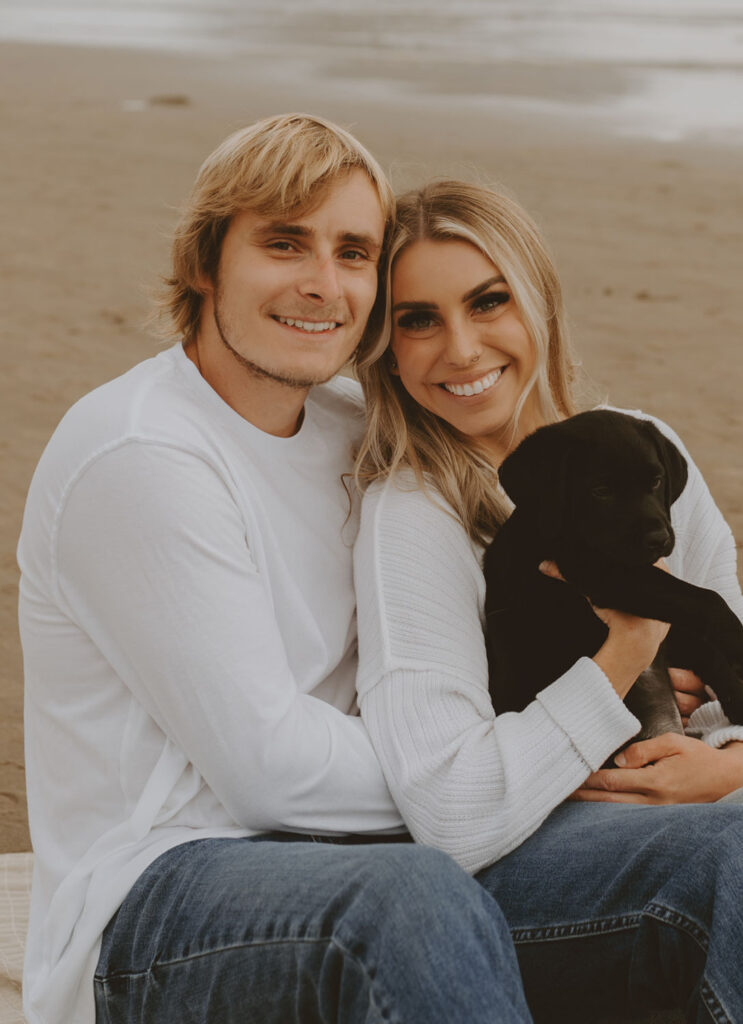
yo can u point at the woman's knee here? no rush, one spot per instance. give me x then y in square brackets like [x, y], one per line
[419, 890]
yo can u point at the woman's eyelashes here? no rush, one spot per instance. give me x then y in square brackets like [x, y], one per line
[490, 301]
[417, 320]
[429, 319]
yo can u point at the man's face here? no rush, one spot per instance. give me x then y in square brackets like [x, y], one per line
[293, 294]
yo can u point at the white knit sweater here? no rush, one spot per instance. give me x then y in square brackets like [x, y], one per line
[466, 781]
[188, 627]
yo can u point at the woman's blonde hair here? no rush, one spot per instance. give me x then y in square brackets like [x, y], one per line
[277, 166]
[399, 432]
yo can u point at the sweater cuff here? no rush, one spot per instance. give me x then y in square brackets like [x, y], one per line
[711, 725]
[588, 709]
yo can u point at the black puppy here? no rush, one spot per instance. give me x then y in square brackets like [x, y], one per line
[594, 494]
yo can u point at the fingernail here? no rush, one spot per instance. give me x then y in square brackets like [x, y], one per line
[621, 760]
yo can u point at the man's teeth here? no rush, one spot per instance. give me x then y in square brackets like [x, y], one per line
[476, 387]
[308, 325]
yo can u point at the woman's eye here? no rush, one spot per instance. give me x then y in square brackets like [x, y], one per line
[416, 322]
[487, 303]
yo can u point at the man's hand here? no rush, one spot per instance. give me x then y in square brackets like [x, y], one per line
[668, 769]
[689, 691]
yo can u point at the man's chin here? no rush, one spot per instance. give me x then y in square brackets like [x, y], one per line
[297, 381]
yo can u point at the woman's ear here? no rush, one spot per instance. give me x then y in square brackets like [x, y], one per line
[392, 363]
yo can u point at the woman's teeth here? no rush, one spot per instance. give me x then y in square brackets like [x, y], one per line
[476, 387]
[308, 325]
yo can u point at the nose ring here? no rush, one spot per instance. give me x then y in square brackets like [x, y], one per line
[475, 357]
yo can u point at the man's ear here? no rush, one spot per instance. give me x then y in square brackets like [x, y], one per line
[535, 478]
[204, 283]
[673, 461]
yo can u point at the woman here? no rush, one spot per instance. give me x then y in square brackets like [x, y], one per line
[476, 357]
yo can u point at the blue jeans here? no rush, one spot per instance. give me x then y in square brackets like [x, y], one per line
[615, 908]
[284, 930]
[609, 908]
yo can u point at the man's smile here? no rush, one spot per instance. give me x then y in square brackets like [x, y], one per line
[309, 326]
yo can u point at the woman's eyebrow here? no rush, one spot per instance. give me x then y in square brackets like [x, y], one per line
[478, 289]
[414, 305]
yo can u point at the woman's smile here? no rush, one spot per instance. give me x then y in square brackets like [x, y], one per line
[472, 388]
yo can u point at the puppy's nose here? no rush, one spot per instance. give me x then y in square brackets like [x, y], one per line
[658, 542]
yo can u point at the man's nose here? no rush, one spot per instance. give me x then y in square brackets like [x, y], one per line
[322, 282]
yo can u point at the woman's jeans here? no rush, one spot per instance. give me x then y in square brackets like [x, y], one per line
[608, 908]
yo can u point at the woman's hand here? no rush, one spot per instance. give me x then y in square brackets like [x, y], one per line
[689, 691]
[668, 769]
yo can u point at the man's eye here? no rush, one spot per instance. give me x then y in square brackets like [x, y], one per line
[492, 300]
[281, 245]
[355, 255]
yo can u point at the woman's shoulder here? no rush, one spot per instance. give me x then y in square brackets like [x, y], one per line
[664, 427]
[407, 524]
[402, 494]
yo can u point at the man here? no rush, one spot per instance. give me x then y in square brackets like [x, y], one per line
[187, 617]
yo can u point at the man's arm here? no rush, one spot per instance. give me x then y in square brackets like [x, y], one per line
[153, 562]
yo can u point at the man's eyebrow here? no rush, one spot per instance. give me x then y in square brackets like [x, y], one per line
[477, 290]
[367, 241]
[277, 227]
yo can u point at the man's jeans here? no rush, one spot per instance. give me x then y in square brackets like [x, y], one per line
[609, 908]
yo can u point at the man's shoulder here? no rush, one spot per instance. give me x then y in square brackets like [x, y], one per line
[340, 397]
[141, 404]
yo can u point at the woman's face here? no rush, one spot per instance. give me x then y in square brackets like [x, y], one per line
[461, 347]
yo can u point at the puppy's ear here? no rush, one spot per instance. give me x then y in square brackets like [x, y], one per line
[535, 478]
[673, 461]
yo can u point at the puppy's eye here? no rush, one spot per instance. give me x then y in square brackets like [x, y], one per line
[602, 493]
[657, 482]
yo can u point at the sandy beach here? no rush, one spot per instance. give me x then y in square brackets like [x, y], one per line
[100, 146]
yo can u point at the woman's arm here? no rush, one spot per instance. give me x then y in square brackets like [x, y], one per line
[465, 781]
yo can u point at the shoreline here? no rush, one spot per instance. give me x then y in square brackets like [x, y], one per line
[646, 235]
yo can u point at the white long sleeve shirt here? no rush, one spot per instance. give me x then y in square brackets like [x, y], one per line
[188, 624]
[466, 781]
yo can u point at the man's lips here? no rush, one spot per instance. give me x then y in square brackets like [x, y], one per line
[476, 386]
[308, 326]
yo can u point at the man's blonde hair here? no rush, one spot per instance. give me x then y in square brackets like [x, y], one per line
[399, 431]
[277, 166]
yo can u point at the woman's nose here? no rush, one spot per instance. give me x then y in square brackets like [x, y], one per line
[462, 346]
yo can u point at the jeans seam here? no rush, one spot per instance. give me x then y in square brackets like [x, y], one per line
[556, 932]
[103, 980]
[713, 1004]
[695, 931]
[668, 916]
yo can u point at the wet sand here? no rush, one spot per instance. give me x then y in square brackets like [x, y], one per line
[101, 146]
